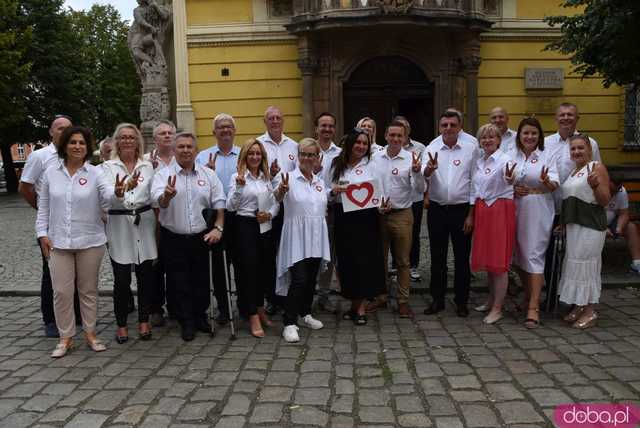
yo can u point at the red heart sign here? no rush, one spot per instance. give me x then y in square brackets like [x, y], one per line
[360, 194]
[82, 181]
[375, 201]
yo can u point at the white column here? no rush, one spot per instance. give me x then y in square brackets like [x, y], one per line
[185, 117]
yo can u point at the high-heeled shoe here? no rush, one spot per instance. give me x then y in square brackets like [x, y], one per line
[255, 326]
[95, 344]
[264, 318]
[573, 316]
[122, 335]
[532, 323]
[586, 321]
[62, 348]
[144, 331]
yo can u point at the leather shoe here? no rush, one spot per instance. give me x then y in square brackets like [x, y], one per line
[462, 311]
[188, 334]
[434, 308]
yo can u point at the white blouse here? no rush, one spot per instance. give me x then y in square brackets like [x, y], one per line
[304, 231]
[244, 199]
[128, 243]
[70, 207]
[489, 179]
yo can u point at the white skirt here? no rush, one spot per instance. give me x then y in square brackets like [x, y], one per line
[581, 282]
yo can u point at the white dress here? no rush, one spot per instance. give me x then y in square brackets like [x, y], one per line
[534, 212]
[304, 230]
[581, 282]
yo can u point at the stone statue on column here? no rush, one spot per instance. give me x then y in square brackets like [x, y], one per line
[152, 23]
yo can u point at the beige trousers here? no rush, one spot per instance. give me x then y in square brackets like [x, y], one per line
[396, 231]
[65, 267]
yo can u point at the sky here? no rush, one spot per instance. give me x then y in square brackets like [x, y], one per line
[125, 7]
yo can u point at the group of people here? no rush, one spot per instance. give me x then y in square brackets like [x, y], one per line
[275, 210]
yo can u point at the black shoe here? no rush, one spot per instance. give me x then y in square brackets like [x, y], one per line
[188, 334]
[203, 326]
[434, 308]
[462, 311]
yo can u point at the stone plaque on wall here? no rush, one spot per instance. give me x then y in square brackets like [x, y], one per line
[543, 78]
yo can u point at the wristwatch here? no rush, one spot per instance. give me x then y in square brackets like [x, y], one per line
[219, 228]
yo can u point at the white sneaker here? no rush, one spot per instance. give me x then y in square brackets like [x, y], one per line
[290, 333]
[635, 267]
[415, 276]
[312, 323]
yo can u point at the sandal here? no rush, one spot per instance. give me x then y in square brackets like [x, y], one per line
[532, 323]
[144, 331]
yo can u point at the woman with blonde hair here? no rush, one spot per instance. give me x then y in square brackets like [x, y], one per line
[251, 198]
[369, 125]
[131, 228]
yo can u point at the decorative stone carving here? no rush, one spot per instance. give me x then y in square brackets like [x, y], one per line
[393, 6]
[151, 25]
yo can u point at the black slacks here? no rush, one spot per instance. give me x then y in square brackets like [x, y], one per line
[254, 262]
[145, 277]
[299, 299]
[163, 291]
[185, 258]
[444, 221]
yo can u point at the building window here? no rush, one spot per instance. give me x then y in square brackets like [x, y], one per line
[492, 7]
[280, 8]
[632, 118]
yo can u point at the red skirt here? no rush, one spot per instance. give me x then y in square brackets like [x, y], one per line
[494, 229]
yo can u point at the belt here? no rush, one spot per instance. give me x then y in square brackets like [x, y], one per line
[182, 235]
[135, 213]
[536, 191]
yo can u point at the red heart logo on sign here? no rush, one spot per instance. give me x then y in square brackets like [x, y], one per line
[394, 171]
[291, 157]
[82, 181]
[360, 194]
[456, 162]
[201, 182]
[375, 201]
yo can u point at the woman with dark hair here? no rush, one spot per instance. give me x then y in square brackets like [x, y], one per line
[357, 233]
[131, 228]
[254, 251]
[69, 226]
[585, 193]
[536, 177]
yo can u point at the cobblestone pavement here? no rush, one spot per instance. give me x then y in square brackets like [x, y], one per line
[435, 371]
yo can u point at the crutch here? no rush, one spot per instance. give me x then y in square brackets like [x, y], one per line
[556, 267]
[228, 284]
[209, 215]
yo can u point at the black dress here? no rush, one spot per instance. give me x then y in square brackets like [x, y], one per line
[359, 253]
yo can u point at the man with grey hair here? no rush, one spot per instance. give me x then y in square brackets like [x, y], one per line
[182, 190]
[163, 134]
[223, 160]
[500, 118]
[105, 147]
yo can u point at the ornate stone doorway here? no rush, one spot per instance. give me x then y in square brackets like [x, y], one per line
[386, 86]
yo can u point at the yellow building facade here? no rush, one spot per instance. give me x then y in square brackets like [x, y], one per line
[377, 58]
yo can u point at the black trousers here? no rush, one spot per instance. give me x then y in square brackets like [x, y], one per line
[255, 263]
[185, 258]
[163, 290]
[414, 256]
[46, 295]
[444, 221]
[303, 285]
[145, 276]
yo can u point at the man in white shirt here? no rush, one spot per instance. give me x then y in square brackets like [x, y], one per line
[183, 189]
[449, 170]
[282, 156]
[618, 221]
[163, 135]
[37, 163]
[223, 160]
[325, 132]
[401, 172]
[500, 118]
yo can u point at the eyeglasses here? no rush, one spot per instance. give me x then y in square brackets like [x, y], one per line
[307, 155]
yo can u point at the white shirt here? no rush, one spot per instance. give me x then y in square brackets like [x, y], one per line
[376, 148]
[327, 159]
[400, 182]
[128, 243]
[619, 201]
[418, 148]
[451, 183]
[37, 163]
[161, 162]
[196, 189]
[226, 165]
[244, 199]
[286, 152]
[70, 208]
[304, 230]
[508, 141]
[489, 180]
[364, 171]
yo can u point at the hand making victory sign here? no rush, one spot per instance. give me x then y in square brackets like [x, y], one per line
[509, 173]
[385, 205]
[240, 179]
[120, 186]
[133, 181]
[432, 165]
[154, 158]
[169, 191]
[283, 188]
[592, 177]
[274, 169]
[212, 161]
[416, 163]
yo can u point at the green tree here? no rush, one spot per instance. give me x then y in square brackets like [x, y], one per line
[602, 40]
[14, 73]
